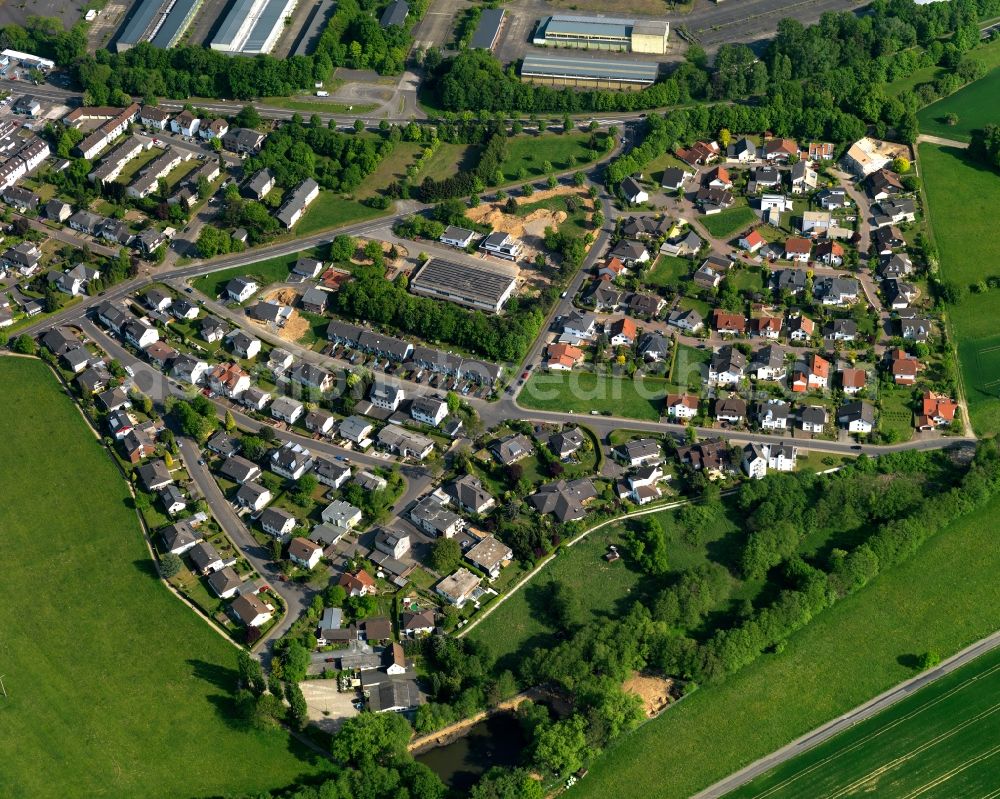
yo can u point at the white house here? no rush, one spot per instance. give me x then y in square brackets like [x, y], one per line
[634, 193]
[304, 553]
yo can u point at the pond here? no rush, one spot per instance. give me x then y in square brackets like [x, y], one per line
[495, 741]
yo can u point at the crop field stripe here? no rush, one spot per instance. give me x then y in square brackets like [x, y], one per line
[897, 761]
[974, 761]
[876, 733]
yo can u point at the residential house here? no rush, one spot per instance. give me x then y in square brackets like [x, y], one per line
[305, 374]
[718, 178]
[836, 290]
[277, 522]
[243, 140]
[580, 325]
[250, 610]
[205, 558]
[682, 406]
[566, 443]
[731, 409]
[882, 184]
[393, 543]
[252, 496]
[243, 344]
[212, 329]
[674, 178]
[358, 583]
[639, 452]
[894, 212]
[633, 191]
[240, 289]
[654, 346]
[631, 253]
[853, 380]
[467, 493]
[813, 418]
[562, 357]
[386, 395]
[622, 332]
[766, 326]
[915, 329]
[511, 448]
[229, 380]
[857, 416]
[772, 415]
[707, 456]
[728, 324]
[260, 185]
[458, 588]
[225, 583]
[356, 429]
[154, 475]
[215, 129]
[797, 249]
[830, 253]
[791, 280]
[768, 364]
[840, 330]
[179, 537]
[287, 410]
[565, 500]
[314, 300]
[800, 328]
[404, 443]
[903, 367]
[752, 241]
[780, 150]
[416, 623]
[489, 556]
[191, 370]
[319, 421]
[816, 222]
[331, 473]
[832, 199]
[935, 410]
[305, 553]
[886, 239]
[820, 151]
[690, 320]
[727, 366]
[239, 470]
[431, 516]
[713, 201]
[743, 151]
[755, 461]
[803, 177]
[185, 123]
[711, 272]
[291, 460]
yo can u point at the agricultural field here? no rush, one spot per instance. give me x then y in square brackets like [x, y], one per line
[961, 198]
[583, 392]
[851, 652]
[975, 106]
[987, 53]
[939, 742]
[114, 687]
[729, 222]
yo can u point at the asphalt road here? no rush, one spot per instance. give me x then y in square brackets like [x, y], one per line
[848, 720]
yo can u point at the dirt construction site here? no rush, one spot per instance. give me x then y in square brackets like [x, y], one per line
[655, 692]
[530, 228]
[297, 325]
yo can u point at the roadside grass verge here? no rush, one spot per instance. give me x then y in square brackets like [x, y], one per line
[112, 683]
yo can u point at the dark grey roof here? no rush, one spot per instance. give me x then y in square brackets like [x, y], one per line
[395, 13]
[487, 30]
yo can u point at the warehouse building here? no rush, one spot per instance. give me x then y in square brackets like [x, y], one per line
[160, 22]
[488, 30]
[252, 26]
[588, 73]
[483, 287]
[603, 33]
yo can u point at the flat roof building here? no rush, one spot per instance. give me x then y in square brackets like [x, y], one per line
[588, 73]
[488, 30]
[252, 26]
[483, 287]
[603, 33]
[159, 22]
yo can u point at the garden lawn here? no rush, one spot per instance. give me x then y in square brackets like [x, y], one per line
[582, 392]
[690, 366]
[942, 737]
[726, 223]
[942, 599]
[897, 412]
[668, 271]
[531, 152]
[975, 105]
[114, 687]
[962, 197]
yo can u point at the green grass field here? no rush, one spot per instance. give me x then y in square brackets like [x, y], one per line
[897, 412]
[941, 599]
[668, 271]
[331, 210]
[448, 160]
[961, 198]
[975, 105]
[582, 392]
[987, 53]
[272, 270]
[114, 687]
[938, 743]
[531, 152]
[690, 366]
[729, 222]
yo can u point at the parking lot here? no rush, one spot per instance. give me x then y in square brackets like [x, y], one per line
[328, 707]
